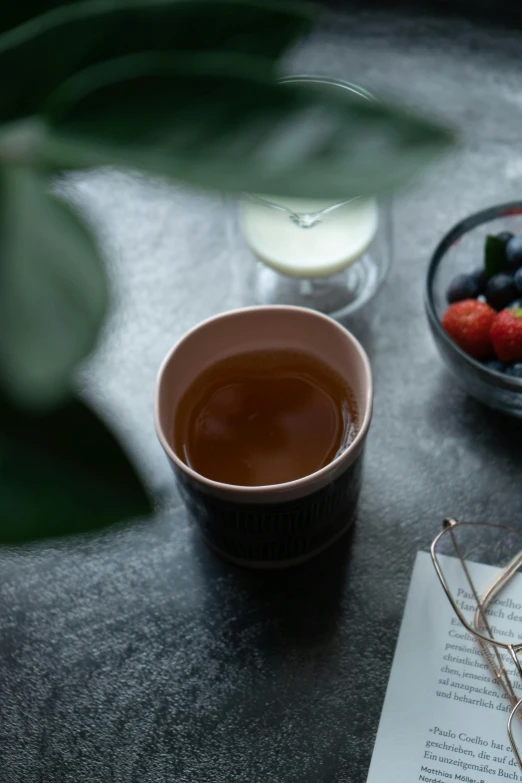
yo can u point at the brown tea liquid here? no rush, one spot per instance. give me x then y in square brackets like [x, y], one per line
[264, 417]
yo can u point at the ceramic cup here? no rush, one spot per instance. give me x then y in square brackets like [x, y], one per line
[280, 524]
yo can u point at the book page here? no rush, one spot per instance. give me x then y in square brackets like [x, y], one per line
[444, 716]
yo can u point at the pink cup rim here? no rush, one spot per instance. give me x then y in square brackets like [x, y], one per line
[268, 488]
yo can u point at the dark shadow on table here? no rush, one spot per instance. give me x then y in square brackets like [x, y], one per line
[301, 604]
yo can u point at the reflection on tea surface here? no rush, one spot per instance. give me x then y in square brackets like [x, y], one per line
[264, 417]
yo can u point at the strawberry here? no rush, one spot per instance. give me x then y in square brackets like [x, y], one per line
[506, 334]
[469, 323]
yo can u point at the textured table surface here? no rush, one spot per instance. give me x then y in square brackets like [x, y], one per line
[139, 657]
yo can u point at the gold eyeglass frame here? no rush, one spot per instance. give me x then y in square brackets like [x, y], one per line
[480, 620]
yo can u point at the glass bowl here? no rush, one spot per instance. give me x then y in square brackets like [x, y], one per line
[461, 251]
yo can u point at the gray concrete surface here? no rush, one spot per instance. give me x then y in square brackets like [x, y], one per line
[137, 657]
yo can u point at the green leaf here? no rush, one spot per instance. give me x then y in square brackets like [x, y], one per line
[62, 472]
[53, 290]
[40, 54]
[495, 260]
[14, 13]
[228, 125]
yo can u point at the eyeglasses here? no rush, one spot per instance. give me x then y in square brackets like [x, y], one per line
[477, 564]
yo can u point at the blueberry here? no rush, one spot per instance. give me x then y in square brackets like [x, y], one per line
[517, 303]
[480, 277]
[505, 236]
[514, 370]
[494, 364]
[518, 279]
[514, 252]
[500, 291]
[462, 287]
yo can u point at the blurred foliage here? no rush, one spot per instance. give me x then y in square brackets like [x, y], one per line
[180, 88]
[53, 290]
[62, 472]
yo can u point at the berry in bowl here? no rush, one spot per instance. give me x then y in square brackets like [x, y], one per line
[473, 299]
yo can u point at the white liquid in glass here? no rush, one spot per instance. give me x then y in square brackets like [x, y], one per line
[328, 246]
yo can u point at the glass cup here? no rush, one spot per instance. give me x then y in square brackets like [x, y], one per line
[328, 256]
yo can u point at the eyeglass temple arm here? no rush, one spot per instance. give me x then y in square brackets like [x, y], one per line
[512, 740]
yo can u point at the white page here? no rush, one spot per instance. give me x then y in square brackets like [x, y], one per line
[424, 734]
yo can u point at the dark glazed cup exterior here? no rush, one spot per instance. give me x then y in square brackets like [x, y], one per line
[281, 524]
[277, 534]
